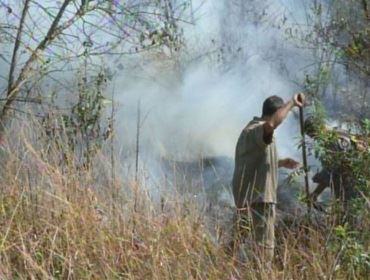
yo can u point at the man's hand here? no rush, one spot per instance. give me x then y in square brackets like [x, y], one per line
[289, 163]
[298, 99]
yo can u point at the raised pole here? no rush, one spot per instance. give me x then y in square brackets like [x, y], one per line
[304, 156]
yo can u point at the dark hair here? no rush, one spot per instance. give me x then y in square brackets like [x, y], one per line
[271, 105]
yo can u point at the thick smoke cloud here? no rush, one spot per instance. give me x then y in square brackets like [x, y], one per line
[235, 54]
[231, 64]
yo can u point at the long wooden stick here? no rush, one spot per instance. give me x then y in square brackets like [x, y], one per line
[304, 156]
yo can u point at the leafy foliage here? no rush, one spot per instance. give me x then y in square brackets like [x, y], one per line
[353, 258]
[85, 128]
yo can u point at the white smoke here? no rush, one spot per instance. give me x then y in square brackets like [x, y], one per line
[203, 112]
[236, 54]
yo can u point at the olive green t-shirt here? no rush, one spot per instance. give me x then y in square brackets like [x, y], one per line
[256, 167]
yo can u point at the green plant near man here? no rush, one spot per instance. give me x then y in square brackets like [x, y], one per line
[345, 165]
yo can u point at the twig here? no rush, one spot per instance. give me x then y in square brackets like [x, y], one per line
[137, 152]
[111, 127]
[137, 140]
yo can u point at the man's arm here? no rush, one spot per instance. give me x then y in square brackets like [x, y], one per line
[279, 116]
[288, 163]
[319, 189]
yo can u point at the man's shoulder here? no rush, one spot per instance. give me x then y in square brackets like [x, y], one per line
[254, 123]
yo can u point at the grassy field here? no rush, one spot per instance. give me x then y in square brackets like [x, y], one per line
[58, 221]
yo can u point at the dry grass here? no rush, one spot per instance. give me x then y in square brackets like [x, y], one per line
[60, 222]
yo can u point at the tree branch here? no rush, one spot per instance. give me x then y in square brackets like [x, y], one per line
[13, 88]
[16, 46]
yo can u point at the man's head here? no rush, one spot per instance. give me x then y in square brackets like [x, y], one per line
[271, 105]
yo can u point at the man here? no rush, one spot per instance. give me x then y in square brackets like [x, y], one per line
[255, 176]
[336, 147]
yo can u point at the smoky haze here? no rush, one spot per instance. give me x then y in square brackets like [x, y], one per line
[195, 101]
[232, 61]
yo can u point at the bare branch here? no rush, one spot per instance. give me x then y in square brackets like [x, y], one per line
[16, 46]
[14, 88]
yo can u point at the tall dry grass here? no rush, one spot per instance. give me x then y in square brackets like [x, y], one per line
[59, 221]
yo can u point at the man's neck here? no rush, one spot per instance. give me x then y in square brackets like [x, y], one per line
[266, 118]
